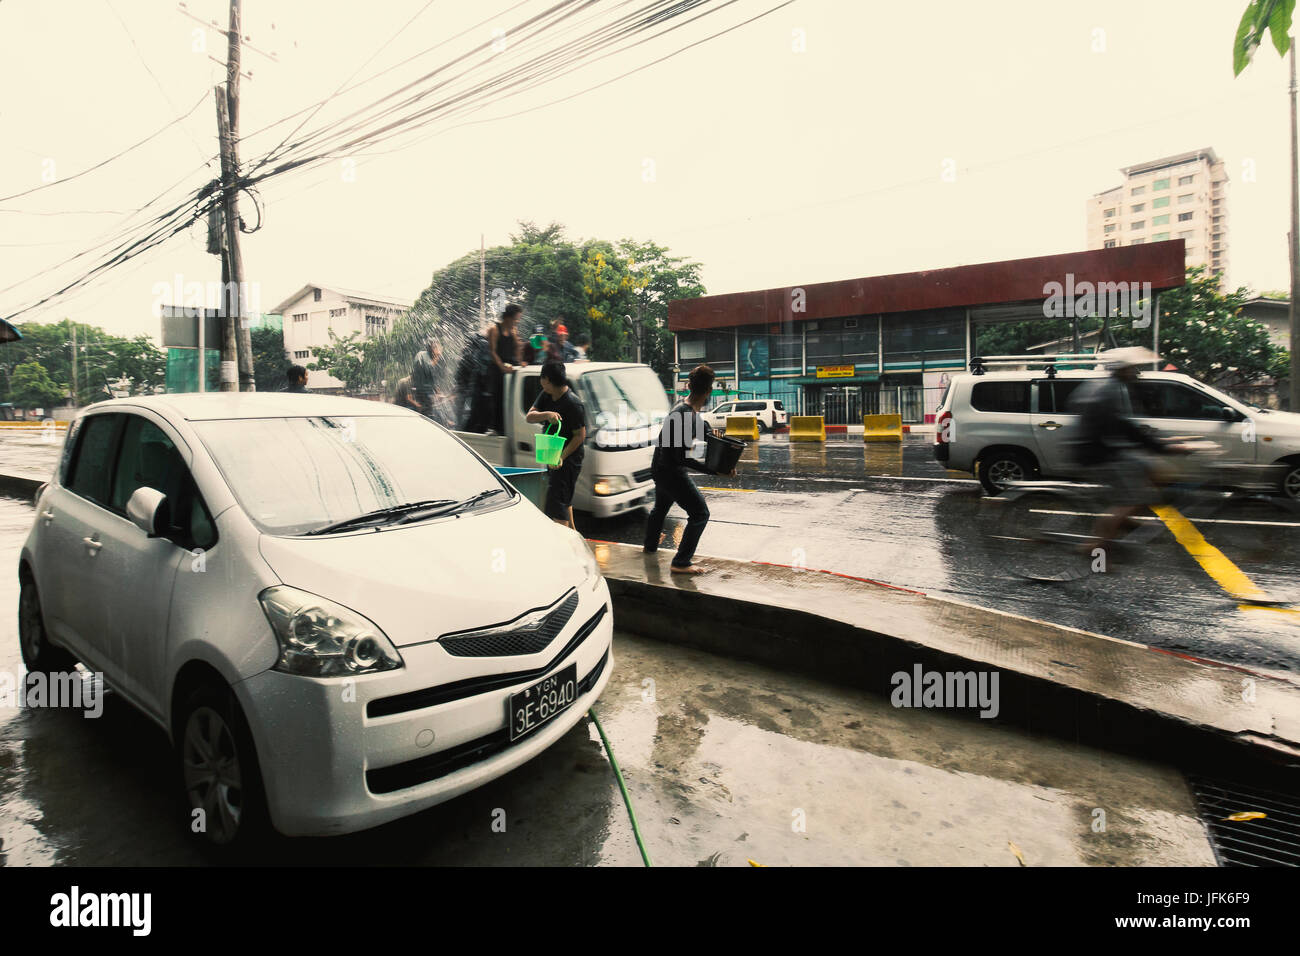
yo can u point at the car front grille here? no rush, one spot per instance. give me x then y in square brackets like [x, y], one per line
[529, 633]
[458, 690]
[642, 476]
[412, 773]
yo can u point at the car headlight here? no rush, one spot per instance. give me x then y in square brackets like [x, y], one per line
[586, 560]
[610, 484]
[319, 638]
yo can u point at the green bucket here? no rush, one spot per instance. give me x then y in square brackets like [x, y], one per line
[538, 341]
[549, 445]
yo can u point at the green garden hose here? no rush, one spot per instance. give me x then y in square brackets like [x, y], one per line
[618, 774]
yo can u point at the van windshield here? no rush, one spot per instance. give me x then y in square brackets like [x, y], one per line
[294, 475]
[625, 405]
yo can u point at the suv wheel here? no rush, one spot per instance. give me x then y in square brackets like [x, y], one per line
[1291, 481]
[219, 771]
[762, 426]
[995, 470]
[39, 655]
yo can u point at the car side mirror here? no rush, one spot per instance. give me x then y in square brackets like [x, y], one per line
[147, 510]
[1231, 414]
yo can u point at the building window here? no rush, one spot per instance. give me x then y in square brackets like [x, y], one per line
[1160, 237]
[338, 313]
[1110, 227]
[1185, 235]
[917, 339]
[1109, 244]
[315, 295]
[1138, 190]
[1160, 202]
[1185, 198]
[1138, 207]
[1160, 220]
[1189, 251]
[1137, 225]
[305, 353]
[1109, 212]
[1136, 242]
[1185, 180]
[300, 316]
[1185, 216]
[376, 325]
[1159, 184]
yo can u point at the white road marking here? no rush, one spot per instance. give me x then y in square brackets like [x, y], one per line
[1089, 514]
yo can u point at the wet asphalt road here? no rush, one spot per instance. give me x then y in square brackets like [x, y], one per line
[725, 761]
[891, 513]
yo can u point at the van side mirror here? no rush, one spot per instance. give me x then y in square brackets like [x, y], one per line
[1230, 414]
[147, 510]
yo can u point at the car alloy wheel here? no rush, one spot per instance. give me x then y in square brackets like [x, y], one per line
[213, 777]
[1006, 470]
[1291, 483]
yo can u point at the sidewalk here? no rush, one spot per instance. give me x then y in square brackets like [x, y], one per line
[1077, 684]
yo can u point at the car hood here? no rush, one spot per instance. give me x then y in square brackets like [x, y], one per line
[419, 581]
[1277, 423]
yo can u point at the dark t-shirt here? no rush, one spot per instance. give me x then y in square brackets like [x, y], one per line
[572, 416]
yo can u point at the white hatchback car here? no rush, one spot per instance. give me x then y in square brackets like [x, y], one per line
[337, 611]
[769, 412]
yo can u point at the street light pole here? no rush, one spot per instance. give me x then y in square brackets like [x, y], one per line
[1294, 244]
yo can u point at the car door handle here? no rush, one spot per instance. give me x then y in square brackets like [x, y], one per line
[48, 515]
[524, 446]
[1049, 425]
[93, 545]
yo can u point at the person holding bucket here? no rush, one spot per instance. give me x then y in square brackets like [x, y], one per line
[682, 434]
[560, 452]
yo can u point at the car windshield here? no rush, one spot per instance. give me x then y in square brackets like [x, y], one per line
[620, 399]
[295, 475]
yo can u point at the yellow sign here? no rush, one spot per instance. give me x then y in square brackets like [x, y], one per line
[834, 371]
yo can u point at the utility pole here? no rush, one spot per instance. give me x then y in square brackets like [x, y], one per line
[1294, 246]
[236, 345]
[76, 399]
[482, 285]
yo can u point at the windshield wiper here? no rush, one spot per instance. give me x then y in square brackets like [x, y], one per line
[380, 515]
[450, 507]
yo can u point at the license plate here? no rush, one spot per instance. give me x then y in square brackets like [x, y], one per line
[534, 706]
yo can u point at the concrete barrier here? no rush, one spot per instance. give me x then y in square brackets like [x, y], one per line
[807, 428]
[742, 426]
[882, 428]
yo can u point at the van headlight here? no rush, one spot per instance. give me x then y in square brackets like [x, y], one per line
[610, 485]
[319, 638]
[586, 560]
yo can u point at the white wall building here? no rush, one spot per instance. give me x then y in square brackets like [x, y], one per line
[311, 313]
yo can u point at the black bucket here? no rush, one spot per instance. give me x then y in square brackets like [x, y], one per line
[722, 453]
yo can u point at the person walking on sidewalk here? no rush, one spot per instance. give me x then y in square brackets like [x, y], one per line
[557, 403]
[682, 433]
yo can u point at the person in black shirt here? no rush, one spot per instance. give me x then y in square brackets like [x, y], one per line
[683, 432]
[557, 403]
[297, 376]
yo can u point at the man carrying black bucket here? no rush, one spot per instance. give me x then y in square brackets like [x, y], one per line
[557, 403]
[683, 432]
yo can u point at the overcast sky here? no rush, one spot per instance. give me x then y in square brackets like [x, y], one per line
[769, 165]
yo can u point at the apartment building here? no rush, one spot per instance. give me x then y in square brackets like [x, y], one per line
[311, 313]
[1177, 197]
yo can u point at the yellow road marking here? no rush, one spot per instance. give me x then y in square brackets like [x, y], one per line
[1262, 607]
[1215, 563]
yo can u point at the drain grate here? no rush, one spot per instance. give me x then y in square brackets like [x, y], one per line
[1271, 841]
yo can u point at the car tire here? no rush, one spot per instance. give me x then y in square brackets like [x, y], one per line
[762, 427]
[220, 776]
[1290, 484]
[39, 655]
[1001, 466]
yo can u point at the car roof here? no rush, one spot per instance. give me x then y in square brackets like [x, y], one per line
[213, 406]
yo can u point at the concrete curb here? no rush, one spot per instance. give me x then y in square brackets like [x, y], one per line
[1086, 687]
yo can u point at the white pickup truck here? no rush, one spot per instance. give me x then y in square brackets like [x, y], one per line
[626, 405]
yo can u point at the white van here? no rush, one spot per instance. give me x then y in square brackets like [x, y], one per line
[626, 405]
[1013, 425]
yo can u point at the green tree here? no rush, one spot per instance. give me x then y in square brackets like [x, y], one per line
[344, 358]
[30, 386]
[269, 363]
[1203, 333]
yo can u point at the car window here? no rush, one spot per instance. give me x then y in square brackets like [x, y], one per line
[528, 392]
[1000, 397]
[779, 406]
[750, 407]
[92, 464]
[722, 409]
[1172, 400]
[149, 459]
[1054, 395]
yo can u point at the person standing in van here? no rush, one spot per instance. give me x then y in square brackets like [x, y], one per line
[682, 431]
[505, 355]
[557, 403]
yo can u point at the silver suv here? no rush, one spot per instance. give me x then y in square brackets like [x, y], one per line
[1005, 426]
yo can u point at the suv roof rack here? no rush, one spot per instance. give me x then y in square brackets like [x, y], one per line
[979, 363]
